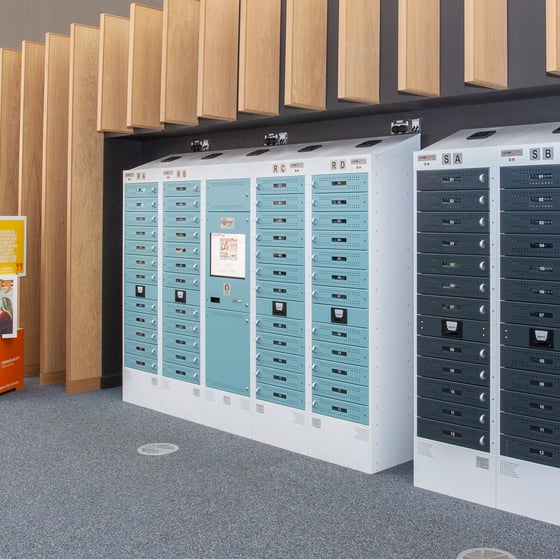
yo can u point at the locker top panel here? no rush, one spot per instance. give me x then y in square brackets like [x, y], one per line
[476, 147]
[383, 145]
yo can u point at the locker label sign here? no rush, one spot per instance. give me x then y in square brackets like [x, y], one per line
[452, 159]
[546, 153]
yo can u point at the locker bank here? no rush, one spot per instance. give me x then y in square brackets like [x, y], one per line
[486, 334]
[268, 293]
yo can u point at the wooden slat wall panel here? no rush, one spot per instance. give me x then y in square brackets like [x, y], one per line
[144, 67]
[217, 59]
[306, 54]
[553, 36]
[419, 47]
[113, 74]
[259, 57]
[358, 50]
[29, 198]
[10, 97]
[84, 217]
[486, 62]
[179, 72]
[53, 216]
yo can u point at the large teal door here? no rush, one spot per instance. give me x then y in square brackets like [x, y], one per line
[227, 285]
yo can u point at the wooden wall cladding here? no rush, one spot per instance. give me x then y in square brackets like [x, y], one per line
[218, 59]
[84, 216]
[29, 197]
[144, 67]
[10, 95]
[553, 36]
[53, 214]
[179, 71]
[419, 47]
[113, 74]
[259, 57]
[358, 50]
[306, 54]
[486, 61]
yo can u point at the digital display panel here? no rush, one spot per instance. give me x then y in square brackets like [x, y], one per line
[227, 255]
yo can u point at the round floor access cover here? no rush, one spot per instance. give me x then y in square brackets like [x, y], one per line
[157, 449]
[484, 553]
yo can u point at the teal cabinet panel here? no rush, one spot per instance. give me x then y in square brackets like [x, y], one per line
[275, 185]
[279, 239]
[227, 351]
[340, 373]
[181, 281]
[281, 324]
[337, 295]
[280, 220]
[276, 290]
[281, 379]
[276, 342]
[133, 306]
[340, 315]
[183, 265]
[281, 395]
[183, 188]
[181, 250]
[141, 219]
[181, 235]
[349, 221]
[140, 233]
[141, 262]
[141, 290]
[341, 410]
[134, 276]
[342, 391]
[279, 360]
[350, 182]
[340, 333]
[184, 204]
[339, 353]
[281, 309]
[335, 239]
[281, 202]
[280, 272]
[141, 190]
[140, 363]
[344, 278]
[181, 219]
[338, 203]
[185, 373]
[340, 258]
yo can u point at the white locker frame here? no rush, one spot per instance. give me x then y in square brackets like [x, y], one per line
[387, 439]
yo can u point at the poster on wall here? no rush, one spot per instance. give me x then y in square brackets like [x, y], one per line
[13, 230]
[8, 305]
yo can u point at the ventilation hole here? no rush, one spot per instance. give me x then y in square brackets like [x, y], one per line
[312, 147]
[484, 553]
[211, 156]
[368, 143]
[481, 135]
[508, 469]
[157, 449]
[257, 152]
[169, 159]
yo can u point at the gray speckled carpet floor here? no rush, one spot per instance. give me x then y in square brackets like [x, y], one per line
[72, 485]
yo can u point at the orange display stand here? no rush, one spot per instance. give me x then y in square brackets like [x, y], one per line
[11, 363]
